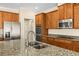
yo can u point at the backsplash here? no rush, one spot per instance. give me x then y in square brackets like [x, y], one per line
[72, 32]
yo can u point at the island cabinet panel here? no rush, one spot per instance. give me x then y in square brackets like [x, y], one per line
[52, 20]
[1, 21]
[76, 16]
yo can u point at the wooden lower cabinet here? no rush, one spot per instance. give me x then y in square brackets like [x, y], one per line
[75, 46]
[64, 43]
[44, 39]
[50, 41]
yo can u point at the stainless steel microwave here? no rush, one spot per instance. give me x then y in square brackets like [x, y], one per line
[67, 23]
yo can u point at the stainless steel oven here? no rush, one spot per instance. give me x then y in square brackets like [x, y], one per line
[38, 33]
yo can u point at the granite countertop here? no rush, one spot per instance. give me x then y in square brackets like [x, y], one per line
[68, 37]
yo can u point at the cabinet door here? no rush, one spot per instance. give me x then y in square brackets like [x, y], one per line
[76, 46]
[76, 16]
[44, 39]
[7, 16]
[15, 17]
[36, 20]
[64, 43]
[1, 21]
[55, 20]
[48, 20]
[61, 12]
[52, 20]
[68, 10]
[50, 41]
[40, 18]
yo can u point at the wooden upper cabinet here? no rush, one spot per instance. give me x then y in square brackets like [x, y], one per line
[38, 19]
[48, 20]
[76, 16]
[7, 16]
[1, 21]
[61, 12]
[66, 11]
[15, 17]
[12, 17]
[55, 20]
[52, 20]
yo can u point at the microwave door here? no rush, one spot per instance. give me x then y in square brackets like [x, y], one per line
[61, 25]
[66, 24]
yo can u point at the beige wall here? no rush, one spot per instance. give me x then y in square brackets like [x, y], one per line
[72, 32]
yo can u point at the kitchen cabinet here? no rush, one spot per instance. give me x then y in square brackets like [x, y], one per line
[61, 42]
[12, 17]
[76, 16]
[52, 20]
[15, 17]
[66, 11]
[69, 11]
[38, 19]
[7, 16]
[64, 43]
[48, 19]
[76, 46]
[1, 21]
[61, 12]
[44, 39]
[51, 41]
[55, 20]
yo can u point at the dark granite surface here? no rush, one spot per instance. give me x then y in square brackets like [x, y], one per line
[69, 37]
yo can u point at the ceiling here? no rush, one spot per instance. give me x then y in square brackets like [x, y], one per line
[36, 7]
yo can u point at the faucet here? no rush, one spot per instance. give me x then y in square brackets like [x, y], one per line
[27, 41]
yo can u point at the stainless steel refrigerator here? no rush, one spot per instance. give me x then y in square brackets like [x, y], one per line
[11, 30]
